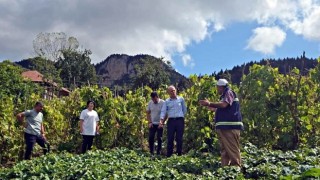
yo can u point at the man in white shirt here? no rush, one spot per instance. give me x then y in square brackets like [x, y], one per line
[89, 126]
[153, 116]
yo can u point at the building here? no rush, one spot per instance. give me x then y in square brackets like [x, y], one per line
[51, 89]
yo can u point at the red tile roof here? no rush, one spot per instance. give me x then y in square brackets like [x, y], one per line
[34, 76]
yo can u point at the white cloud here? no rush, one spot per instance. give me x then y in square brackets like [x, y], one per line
[266, 39]
[159, 28]
[310, 25]
[300, 16]
[187, 61]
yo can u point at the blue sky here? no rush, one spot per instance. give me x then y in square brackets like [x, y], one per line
[199, 37]
[227, 48]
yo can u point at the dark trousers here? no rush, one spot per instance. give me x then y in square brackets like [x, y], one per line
[30, 141]
[86, 143]
[152, 131]
[175, 128]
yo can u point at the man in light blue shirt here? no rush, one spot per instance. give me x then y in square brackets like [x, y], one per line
[175, 109]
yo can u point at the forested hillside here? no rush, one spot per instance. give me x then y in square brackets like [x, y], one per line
[304, 64]
[125, 72]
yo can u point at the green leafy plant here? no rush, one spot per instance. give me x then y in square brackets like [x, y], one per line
[122, 163]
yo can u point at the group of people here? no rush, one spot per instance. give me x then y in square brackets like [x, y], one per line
[158, 111]
[34, 131]
[228, 123]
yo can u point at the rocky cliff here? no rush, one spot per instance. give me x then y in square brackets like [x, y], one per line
[118, 69]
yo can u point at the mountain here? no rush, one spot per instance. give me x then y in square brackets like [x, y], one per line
[119, 69]
[285, 65]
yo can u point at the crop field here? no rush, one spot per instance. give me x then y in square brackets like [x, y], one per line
[122, 163]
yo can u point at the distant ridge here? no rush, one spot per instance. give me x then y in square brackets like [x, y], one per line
[118, 69]
[285, 65]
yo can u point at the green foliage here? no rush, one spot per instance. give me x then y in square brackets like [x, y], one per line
[256, 95]
[76, 68]
[12, 83]
[15, 95]
[279, 111]
[151, 72]
[199, 122]
[46, 68]
[9, 132]
[121, 163]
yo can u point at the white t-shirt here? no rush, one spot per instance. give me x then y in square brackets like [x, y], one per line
[90, 119]
[155, 111]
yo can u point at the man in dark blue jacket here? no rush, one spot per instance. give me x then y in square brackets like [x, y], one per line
[228, 122]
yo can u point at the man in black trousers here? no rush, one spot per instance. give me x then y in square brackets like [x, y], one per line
[34, 129]
[175, 109]
[153, 116]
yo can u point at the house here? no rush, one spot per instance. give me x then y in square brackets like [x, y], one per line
[51, 88]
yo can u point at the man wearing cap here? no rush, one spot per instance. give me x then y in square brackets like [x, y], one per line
[153, 116]
[175, 108]
[228, 122]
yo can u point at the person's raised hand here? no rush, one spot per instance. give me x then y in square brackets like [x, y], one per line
[204, 102]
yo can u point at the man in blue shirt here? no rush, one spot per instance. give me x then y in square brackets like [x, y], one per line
[175, 109]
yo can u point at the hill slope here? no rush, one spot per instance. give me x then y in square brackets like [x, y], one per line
[119, 69]
[303, 63]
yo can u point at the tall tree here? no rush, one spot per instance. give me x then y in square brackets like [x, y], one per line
[76, 68]
[151, 72]
[51, 45]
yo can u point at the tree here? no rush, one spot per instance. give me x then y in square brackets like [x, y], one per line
[281, 111]
[260, 106]
[76, 68]
[151, 72]
[12, 83]
[51, 45]
[46, 68]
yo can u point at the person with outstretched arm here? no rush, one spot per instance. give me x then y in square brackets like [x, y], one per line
[34, 130]
[228, 123]
[175, 109]
[89, 126]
